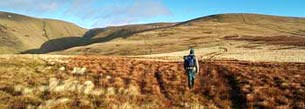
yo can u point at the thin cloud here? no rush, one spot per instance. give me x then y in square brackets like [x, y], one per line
[118, 14]
[30, 5]
[94, 13]
[81, 9]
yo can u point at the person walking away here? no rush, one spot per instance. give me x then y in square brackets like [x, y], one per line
[191, 67]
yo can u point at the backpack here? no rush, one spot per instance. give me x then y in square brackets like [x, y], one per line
[189, 61]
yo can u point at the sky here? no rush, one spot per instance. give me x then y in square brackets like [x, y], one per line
[103, 13]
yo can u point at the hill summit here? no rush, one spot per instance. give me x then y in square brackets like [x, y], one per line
[19, 33]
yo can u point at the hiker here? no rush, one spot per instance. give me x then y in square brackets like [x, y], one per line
[191, 67]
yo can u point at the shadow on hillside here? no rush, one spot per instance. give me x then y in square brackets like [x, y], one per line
[120, 33]
[87, 39]
[56, 45]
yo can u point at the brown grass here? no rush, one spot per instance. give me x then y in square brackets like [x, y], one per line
[203, 32]
[272, 40]
[116, 82]
[20, 33]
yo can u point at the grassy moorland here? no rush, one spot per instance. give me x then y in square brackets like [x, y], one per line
[117, 82]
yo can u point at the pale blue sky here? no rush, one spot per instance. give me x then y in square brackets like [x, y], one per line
[101, 13]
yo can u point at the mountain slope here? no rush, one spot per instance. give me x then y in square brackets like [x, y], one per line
[292, 25]
[19, 33]
[123, 31]
[98, 35]
[237, 31]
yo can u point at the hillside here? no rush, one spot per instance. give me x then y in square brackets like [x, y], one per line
[97, 35]
[232, 33]
[123, 31]
[20, 33]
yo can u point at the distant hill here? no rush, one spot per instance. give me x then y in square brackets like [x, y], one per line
[19, 33]
[222, 30]
[97, 35]
[237, 32]
[109, 33]
[291, 25]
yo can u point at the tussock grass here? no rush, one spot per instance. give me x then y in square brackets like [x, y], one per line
[115, 82]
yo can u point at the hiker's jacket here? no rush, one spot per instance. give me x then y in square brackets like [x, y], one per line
[196, 67]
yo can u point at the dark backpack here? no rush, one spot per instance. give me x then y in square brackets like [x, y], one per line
[189, 61]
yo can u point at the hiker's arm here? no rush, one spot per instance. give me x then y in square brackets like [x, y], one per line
[184, 62]
[197, 64]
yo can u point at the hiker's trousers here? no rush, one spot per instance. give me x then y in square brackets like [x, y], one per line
[191, 73]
